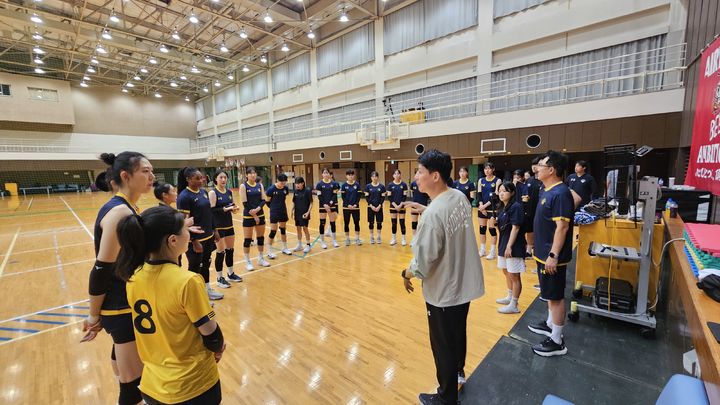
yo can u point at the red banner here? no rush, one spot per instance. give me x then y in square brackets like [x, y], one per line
[704, 167]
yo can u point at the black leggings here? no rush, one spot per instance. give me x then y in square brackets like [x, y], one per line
[210, 397]
[200, 262]
[355, 214]
[375, 216]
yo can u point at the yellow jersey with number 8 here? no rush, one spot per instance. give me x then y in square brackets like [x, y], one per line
[168, 305]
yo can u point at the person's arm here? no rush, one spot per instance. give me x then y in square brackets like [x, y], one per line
[577, 200]
[103, 268]
[428, 247]
[194, 300]
[562, 214]
[513, 237]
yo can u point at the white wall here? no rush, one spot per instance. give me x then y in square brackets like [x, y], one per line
[21, 107]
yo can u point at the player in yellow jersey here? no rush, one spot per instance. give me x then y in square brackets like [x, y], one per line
[177, 338]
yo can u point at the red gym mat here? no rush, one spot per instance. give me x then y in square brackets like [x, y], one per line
[705, 237]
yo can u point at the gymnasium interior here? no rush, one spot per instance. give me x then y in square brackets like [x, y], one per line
[295, 87]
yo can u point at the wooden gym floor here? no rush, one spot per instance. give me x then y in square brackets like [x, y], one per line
[333, 327]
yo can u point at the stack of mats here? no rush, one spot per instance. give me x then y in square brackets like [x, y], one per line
[701, 247]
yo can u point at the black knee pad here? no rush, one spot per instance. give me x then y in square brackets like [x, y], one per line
[414, 225]
[283, 231]
[372, 225]
[272, 234]
[333, 228]
[322, 225]
[247, 242]
[493, 231]
[130, 393]
[229, 257]
[261, 240]
[483, 230]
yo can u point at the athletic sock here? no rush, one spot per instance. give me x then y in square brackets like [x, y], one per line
[549, 321]
[556, 335]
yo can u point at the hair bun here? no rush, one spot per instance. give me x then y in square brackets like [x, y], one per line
[108, 158]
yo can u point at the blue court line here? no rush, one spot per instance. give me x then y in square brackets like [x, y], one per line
[75, 307]
[41, 321]
[19, 330]
[49, 314]
[4, 339]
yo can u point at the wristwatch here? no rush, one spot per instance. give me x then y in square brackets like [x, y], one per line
[551, 255]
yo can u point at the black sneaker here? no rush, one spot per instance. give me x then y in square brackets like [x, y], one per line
[430, 399]
[540, 328]
[222, 283]
[549, 348]
[234, 277]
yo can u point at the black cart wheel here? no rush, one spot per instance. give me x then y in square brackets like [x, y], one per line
[648, 333]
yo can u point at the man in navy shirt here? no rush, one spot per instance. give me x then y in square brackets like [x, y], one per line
[276, 196]
[553, 249]
[582, 183]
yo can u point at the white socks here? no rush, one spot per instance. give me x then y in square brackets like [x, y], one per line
[549, 321]
[514, 302]
[247, 257]
[230, 270]
[556, 335]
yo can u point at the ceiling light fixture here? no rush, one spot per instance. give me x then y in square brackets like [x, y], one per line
[114, 18]
[187, 98]
[153, 61]
[224, 48]
[128, 84]
[164, 49]
[83, 84]
[173, 84]
[263, 59]
[217, 83]
[38, 60]
[37, 49]
[94, 61]
[124, 90]
[101, 50]
[106, 34]
[136, 77]
[175, 35]
[85, 78]
[285, 48]
[207, 59]
[344, 17]
[245, 68]
[158, 95]
[193, 18]
[205, 89]
[230, 76]
[194, 69]
[36, 36]
[91, 69]
[143, 70]
[36, 18]
[183, 77]
[311, 34]
[267, 17]
[38, 70]
[243, 33]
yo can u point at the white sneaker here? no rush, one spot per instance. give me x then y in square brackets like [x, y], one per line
[271, 256]
[298, 247]
[358, 242]
[347, 242]
[481, 252]
[214, 295]
[249, 266]
[264, 263]
[491, 255]
[287, 251]
[335, 244]
[307, 249]
[378, 241]
[404, 241]
[372, 240]
[509, 309]
[503, 301]
[393, 241]
[323, 245]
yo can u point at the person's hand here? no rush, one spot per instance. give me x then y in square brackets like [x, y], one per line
[327, 208]
[91, 327]
[408, 285]
[254, 211]
[189, 221]
[484, 212]
[508, 252]
[551, 265]
[216, 236]
[218, 355]
[197, 246]
[257, 219]
[195, 229]
[228, 208]
[305, 215]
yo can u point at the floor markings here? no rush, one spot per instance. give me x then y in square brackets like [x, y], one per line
[9, 252]
[78, 218]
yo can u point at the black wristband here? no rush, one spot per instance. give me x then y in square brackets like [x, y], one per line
[214, 341]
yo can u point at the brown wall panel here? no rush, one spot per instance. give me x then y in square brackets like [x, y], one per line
[556, 136]
[592, 135]
[610, 132]
[653, 131]
[516, 140]
[631, 131]
[573, 137]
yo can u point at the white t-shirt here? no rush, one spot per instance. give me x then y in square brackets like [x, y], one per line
[445, 252]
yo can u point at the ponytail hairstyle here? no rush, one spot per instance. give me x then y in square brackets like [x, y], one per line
[123, 162]
[183, 175]
[102, 181]
[140, 235]
[510, 187]
[160, 189]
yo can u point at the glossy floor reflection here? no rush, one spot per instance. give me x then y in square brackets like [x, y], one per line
[333, 327]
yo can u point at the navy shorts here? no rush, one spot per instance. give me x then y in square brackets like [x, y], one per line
[552, 286]
[250, 222]
[278, 217]
[119, 327]
[226, 232]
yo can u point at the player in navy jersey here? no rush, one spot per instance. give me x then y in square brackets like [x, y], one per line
[326, 190]
[350, 192]
[276, 196]
[511, 246]
[375, 196]
[464, 184]
[419, 201]
[487, 198]
[194, 202]
[302, 204]
[132, 173]
[223, 207]
[534, 185]
[397, 192]
[252, 195]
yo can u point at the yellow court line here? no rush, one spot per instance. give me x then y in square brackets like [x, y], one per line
[9, 252]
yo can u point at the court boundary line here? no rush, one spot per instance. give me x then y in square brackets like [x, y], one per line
[6, 259]
[3, 343]
[45, 268]
[78, 218]
[43, 310]
[50, 248]
[30, 204]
